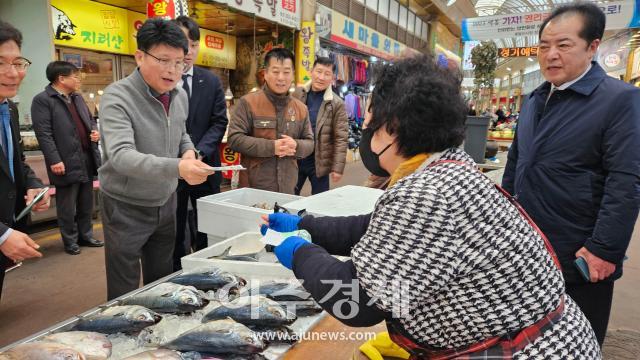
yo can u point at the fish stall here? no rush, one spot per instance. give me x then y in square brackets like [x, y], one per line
[232, 300]
[201, 313]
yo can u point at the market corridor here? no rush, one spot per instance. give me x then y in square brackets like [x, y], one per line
[44, 292]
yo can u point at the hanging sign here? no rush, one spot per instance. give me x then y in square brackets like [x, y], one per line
[620, 15]
[305, 52]
[285, 12]
[518, 52]
[167, 9]
[350, 33]
[216, 50]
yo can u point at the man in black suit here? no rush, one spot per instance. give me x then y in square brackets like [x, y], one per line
[18, 184]
[206, 125]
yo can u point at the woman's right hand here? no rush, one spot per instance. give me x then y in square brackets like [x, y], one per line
[280, 222]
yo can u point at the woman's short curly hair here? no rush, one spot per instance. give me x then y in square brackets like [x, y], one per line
[421, 103]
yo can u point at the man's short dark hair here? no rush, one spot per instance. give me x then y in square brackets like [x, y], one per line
[322, 60]
[191, 25]
[593, 19]
[55, 69]
[280, 54]
[421, 103]
[8, 32]
[158, 31]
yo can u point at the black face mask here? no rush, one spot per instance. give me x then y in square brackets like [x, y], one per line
[370, 159]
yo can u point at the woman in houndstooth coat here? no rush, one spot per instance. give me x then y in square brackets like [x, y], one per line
[446, 258]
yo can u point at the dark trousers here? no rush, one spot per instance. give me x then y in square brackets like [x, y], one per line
[197, 241]
[5, 262]
[134, 236]
[74, 206]
[307, 169]
[594, 299]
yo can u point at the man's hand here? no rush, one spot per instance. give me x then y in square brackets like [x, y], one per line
[193, 171]
[94, 136]
[42, 205]
[335, 177]
[58, 168]
[19, 246]
[598, 269]
[189, 154]
[283, 147]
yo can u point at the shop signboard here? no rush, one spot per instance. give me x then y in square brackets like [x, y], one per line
[285, 12]
[635, 65]
[135, 21]
[228, 157]
[90, 25]
[167, 9]
[620, 15]
[612, 55]
[216, 50]
[323, 22]
[305, 52]
[350, 33]
[466, 59]
[518, 52]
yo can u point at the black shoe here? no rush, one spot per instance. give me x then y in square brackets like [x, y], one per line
[72, 249]
[91, 243]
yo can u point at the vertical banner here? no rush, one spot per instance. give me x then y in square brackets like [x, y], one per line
[305, 52]
[167, 9]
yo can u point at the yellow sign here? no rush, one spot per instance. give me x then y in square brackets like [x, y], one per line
[135, 21]
[90, 25]
[217, 50]
[305, 52]
[350, 33]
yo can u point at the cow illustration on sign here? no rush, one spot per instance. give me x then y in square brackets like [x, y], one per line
[63, 27]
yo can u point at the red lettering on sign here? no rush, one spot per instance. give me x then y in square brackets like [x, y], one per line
[214, 42]
[289, 5]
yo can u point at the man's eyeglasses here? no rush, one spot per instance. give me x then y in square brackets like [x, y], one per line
[167, 64]
[20, 64]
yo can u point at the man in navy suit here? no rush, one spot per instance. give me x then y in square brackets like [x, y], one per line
[206, 125]
[18, 183]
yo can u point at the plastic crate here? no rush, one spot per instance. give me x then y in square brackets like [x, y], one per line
[343, 201]
[230, 213]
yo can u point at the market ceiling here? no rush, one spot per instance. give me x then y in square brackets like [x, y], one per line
[212, 16]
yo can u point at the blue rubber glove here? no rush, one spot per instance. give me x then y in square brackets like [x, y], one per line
[281, 222]
[288, 248]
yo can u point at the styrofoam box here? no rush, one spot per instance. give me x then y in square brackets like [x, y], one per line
[343, 201]
[201, 258]
[268, 269]
[230, 213]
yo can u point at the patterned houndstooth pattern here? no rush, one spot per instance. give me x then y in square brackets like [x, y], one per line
[454, 261]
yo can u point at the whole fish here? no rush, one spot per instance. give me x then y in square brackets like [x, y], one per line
[302, 308]
[219, 337]
[115, 319]
[209, 278]
[254, 311]
[283, 290]
[281, 335]
[42, 351]
[169, 298]
[93, 345]
[164, 354]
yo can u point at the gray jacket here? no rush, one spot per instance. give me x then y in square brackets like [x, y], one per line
[141, 144]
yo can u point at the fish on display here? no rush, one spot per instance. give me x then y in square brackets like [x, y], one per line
[283, 290]
[42, 351]
[165, 354]
[93, 345]
[218, 337]
[281, 335]
[302, 308]
[252, 310]
[115, 319]
[169, 298]
[209, 278]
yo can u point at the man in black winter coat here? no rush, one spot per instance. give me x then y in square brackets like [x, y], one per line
[68, 138]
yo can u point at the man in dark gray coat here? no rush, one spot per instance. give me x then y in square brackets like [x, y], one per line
[68, 139]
